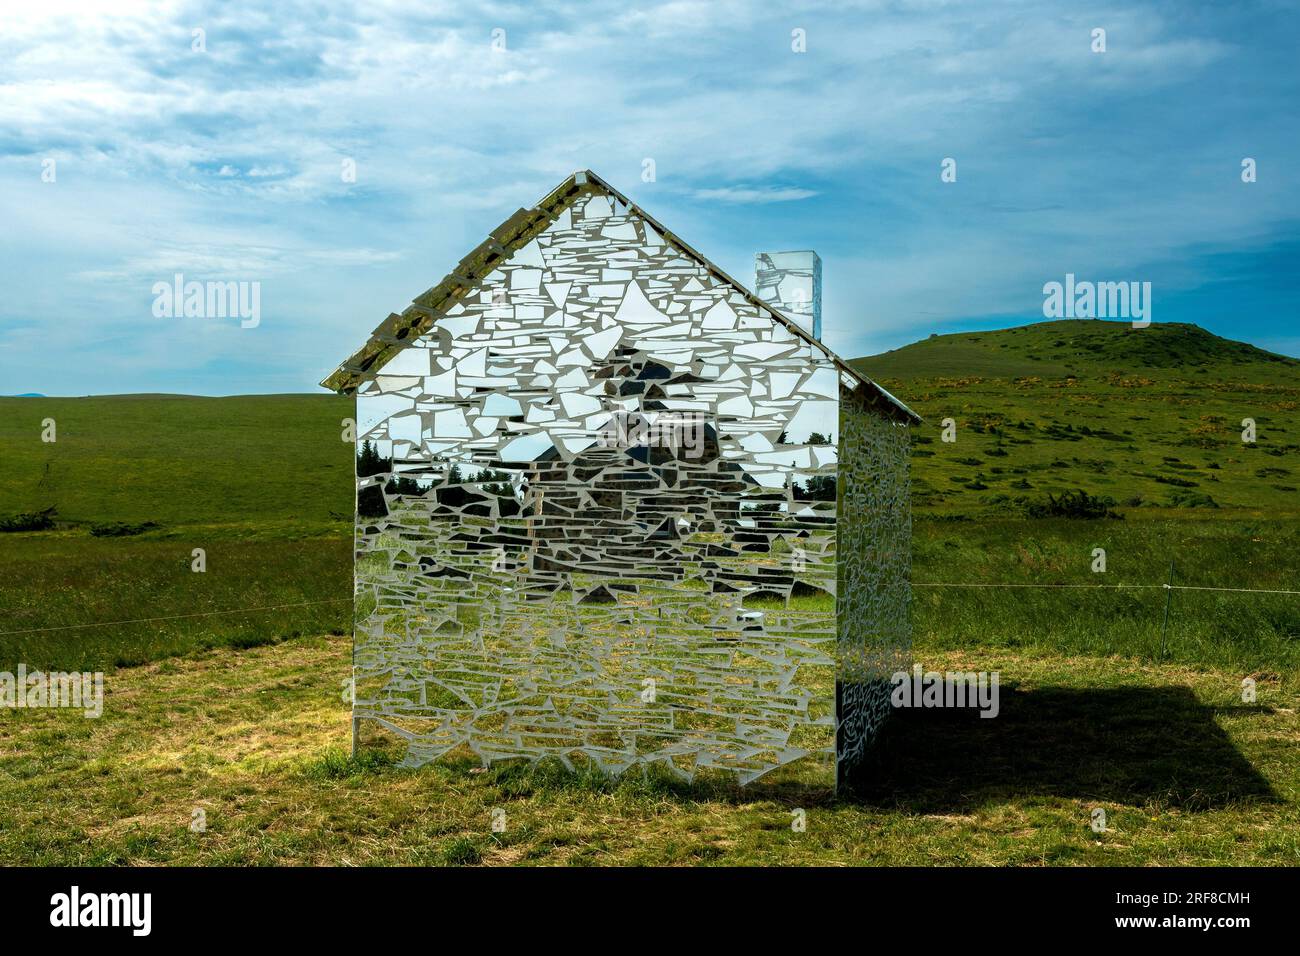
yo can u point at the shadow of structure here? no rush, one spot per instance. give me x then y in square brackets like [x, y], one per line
[1135, 745]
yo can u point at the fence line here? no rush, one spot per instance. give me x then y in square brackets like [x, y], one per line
[1094, 587]
[915, 584]
[174, 617]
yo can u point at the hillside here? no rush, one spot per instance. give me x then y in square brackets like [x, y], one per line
[1150, 418]
[1082, 348]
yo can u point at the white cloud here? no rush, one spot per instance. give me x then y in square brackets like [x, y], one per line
[229, 162]
[754, 194]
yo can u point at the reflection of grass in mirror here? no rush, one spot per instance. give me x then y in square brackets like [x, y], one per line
[70, 578]
[557, 647]
[810, 603]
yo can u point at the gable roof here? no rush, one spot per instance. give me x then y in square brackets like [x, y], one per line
[398, 331]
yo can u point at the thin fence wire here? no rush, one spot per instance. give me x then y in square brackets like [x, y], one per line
[174, 617]
[1108, 587]
[915, 584]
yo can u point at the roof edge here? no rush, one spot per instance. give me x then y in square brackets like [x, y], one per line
[522, 227]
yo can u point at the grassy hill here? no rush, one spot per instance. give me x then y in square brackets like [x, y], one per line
[1082, 347]
[1149, 418]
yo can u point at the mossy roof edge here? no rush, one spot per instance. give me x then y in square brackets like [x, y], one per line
[399, 330]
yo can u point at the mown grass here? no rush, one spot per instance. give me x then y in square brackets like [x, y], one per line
[256, 739]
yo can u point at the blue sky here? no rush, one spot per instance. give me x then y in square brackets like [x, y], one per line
[225, 163]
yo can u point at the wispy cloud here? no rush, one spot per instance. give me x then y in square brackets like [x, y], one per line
[754, 194]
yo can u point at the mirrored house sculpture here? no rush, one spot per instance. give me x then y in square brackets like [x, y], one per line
[614, 508]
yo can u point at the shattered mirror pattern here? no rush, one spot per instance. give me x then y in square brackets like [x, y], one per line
[792, 281]
[875, 557]
[596, 517]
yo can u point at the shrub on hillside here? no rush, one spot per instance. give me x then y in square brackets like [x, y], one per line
[29, 521]
[1072, 504]
[120, 529]
[1192, 499]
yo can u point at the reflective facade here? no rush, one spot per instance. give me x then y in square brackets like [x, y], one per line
[611, 509]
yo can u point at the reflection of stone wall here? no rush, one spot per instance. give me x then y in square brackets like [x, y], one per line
[613, 604]
[874, 535]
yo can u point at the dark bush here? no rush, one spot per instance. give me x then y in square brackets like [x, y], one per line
[1071, 504]
[120, 529]
[29, 521]
[1192, 499]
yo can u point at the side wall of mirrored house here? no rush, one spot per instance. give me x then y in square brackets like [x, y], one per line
[596, 517]
[874, 589]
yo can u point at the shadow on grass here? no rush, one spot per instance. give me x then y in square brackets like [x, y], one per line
[1138, 745]
[1152, 746]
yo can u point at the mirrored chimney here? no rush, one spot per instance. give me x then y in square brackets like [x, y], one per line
[792, 282]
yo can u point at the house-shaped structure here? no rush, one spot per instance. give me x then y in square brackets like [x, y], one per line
[614, 507]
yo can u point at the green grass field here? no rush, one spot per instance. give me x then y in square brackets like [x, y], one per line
[238, 712]
[1148, 417]
[262, 484]
[271, 465]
